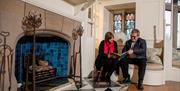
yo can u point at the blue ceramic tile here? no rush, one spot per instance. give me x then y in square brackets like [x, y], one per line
[54, 50]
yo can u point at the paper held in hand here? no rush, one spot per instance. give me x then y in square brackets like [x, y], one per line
[120, 55]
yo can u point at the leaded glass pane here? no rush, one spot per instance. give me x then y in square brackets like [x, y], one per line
[117, 23]
[129, 24]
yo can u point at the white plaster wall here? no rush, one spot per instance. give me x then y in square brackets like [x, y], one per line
[168, 55]
[88, 56]
[98, 20]
[106, 21]
[147, 15]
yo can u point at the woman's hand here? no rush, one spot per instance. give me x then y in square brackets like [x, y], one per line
[109, 55]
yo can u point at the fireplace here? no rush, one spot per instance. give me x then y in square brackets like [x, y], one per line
[52, 54]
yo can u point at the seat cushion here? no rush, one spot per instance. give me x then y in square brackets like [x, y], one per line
[154, 51]
[176, 55]
[176, 63]
[154, 60]
[153, 55]
[150, 66]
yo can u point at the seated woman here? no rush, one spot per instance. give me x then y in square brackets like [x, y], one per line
[105, 58]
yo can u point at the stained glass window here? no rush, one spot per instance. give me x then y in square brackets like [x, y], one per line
[117, 23]
[124, 22]
[129, 24]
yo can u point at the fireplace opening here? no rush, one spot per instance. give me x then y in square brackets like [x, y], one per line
[51, 59]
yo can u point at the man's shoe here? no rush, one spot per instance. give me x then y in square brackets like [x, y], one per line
[126, 80]
[140, 86]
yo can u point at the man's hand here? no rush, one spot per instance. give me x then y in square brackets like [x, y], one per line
[130, 51]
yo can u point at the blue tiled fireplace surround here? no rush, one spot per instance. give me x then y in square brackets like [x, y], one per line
[49, 48]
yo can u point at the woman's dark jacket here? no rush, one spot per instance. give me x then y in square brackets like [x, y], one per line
[101, 56]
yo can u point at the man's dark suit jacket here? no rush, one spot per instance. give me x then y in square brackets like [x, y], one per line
[139, 48]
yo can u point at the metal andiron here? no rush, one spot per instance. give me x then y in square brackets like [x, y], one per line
[29, 24]
[6, 53]
[73, 69]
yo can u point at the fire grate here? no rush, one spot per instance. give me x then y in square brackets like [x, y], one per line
[42, 75]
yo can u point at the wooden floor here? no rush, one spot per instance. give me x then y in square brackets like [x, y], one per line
[169, 86]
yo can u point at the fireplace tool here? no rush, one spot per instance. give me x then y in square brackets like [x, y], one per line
[80, 32]
[75, 35]
[6, 52]
[73, 69]
[29, 24]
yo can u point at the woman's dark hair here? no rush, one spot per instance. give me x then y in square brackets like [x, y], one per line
[108, 36]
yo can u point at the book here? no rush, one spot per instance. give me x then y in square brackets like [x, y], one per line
[119, 56]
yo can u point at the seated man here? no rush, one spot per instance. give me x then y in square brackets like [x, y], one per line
[104, 59]
[135, 49]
